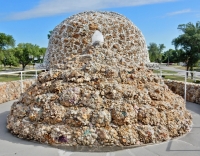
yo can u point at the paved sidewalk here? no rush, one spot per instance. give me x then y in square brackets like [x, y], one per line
[188, 145]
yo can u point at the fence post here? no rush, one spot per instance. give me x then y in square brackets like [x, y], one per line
[185, 86]
[50, 71]
[160, 73]
[35, 74]
[21, 83]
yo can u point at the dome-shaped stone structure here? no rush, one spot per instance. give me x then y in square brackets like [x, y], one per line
[73, 35]
[99, 94]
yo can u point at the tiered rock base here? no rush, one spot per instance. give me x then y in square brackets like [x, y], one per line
[96, 105]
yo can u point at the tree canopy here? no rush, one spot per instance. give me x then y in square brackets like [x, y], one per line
[155, 52]
[173, 56]
[6, 41]
[49, 34]
[9, 58]
[23, 51]
[189, 42]
[42, 51]
[6, 54]
[23, 54]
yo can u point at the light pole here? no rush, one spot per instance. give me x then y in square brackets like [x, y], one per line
[41, 58]
[35, 59]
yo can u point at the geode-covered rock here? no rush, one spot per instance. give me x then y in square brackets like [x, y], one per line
[73, 35]
[99, 96]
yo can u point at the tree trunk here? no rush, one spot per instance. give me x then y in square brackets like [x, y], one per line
[191, 73]
[23, 67]
[187, 70]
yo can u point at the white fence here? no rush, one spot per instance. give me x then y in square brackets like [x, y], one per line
[34, 74]
[21, 75]
[184, 74]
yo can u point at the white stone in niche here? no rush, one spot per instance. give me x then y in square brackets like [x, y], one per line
[97, 37]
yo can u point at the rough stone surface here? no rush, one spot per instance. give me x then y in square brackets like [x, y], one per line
[12, 90]
[152, 65]
[178, 87]
[74, 34]
[98, 97]
[97, 105]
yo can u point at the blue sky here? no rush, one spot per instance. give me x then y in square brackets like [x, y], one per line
[29, 21]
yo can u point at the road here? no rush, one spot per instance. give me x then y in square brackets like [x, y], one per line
[179, 71]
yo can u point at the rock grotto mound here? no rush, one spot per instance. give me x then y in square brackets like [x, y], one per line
[98, 98]
[98, 104]
[73, 35]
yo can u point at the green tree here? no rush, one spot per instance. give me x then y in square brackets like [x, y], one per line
[49, 34]
[1, 58]
[178, 55]
[9, 58]
[6, 41]
[168, 55]
[189, 42]
[42, 52]
[174, 56]
[161, 47]
[23, 51]
[40, 55]
[155, 52]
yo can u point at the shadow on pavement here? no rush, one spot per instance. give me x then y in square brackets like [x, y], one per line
[193, 107]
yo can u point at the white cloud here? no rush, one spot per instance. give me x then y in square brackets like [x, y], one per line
[179, 12]
[53, 7]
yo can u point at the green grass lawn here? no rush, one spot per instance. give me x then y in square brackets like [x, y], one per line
[18, 68]
[7, 68]
[180, 67]
[178, 78]
[16, 76]
[32, 72]
[173, 77]
[8, 78]
[165, 72]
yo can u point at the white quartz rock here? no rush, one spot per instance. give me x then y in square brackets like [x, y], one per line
[97, 37]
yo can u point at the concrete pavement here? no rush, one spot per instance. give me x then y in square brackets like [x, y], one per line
[188, 145]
